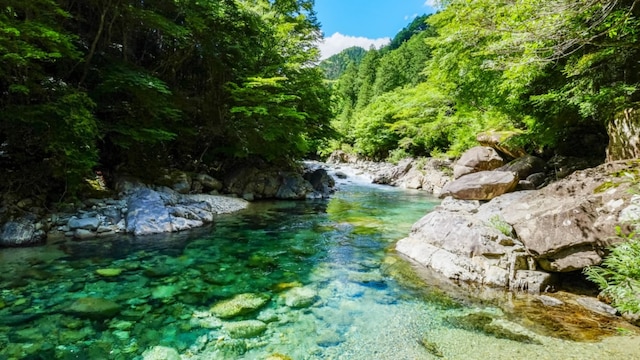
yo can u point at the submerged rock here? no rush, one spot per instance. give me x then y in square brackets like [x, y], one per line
[239, 305]
[161, 353]
[94, 308]
[245, 329]
[300, 297]
[490, 324]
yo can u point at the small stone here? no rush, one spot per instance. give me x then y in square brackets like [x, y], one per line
[597, 306]
[109, 272]
[245, 329]
[163, 292]
[300, 297]
[161, 353]
[239, 305]
[330, 338]
[549, 300]
[94, 308]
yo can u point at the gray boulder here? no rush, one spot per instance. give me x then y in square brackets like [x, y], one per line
[147, 213]
[464, 248]
[483, 185]
[21, 232]
[90, 223]
[209, 183]
[479, 158]
[525, 166]
[569, 224]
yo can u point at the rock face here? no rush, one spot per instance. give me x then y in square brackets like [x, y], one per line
[483, 185]
[562, 227]
[624, 136]
[464, 246]
[479, 158]
[568, 224]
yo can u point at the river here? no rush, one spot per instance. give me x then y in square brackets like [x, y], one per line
[356, 299]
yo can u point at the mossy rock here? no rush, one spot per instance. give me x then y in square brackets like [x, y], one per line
[239, 305]
[94, 308]
[109, 272]
[245, 329]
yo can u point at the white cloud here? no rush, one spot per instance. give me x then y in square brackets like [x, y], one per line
[337, 42]
[432, 3]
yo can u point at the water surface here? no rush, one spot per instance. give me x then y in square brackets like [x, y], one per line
[366, 302]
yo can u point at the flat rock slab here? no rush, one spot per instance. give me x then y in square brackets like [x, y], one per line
[483, 185]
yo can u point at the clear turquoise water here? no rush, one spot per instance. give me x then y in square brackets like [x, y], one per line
[340, 249]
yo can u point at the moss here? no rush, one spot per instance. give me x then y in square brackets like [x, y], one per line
[605, 186]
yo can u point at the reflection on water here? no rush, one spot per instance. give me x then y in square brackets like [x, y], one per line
[316, 279]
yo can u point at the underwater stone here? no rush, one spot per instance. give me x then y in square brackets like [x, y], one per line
[163, 292]
[239, 305]
[109, 272]
[94, 308]
[245, 329]
[300, 297]
[161, 353]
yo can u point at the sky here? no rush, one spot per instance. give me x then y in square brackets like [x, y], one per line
[364, 23]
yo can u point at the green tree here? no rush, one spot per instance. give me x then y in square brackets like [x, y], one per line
[47, 127]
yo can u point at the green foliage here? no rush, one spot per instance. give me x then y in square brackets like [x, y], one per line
[335, 65]
[619, 275]
[161, 83]
[556, 71]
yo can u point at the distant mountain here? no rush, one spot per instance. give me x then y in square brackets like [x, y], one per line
[335, 65]
[417, 26]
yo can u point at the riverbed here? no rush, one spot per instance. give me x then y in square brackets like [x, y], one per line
[332, 285]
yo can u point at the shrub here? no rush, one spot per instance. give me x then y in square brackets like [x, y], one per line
[619, 275]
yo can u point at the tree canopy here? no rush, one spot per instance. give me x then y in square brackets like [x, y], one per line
[554, 71]
[132, 85]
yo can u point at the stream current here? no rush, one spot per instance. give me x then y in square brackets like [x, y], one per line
[335, 289]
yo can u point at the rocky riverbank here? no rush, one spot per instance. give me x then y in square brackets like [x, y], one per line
[178, 201]
[521, 225]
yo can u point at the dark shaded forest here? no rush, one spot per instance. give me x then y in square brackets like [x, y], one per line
[134, 86]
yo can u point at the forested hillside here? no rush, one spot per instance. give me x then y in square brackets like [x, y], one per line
[555, 72]
[335, 65]
[140, 85]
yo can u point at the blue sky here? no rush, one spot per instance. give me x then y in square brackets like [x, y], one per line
[347, 23]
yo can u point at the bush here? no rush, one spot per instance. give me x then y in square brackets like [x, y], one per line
[619, 275]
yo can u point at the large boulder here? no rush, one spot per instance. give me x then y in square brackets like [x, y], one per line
[624, 136]
[264, 183]
[147, 213]
[525, 166]
[164, 210]
[479, 158]
[500, 140]
[569, 224]
[483, 185]
[460, 245]
[24, 231]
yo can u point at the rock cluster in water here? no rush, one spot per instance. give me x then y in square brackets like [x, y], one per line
[182, 202]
